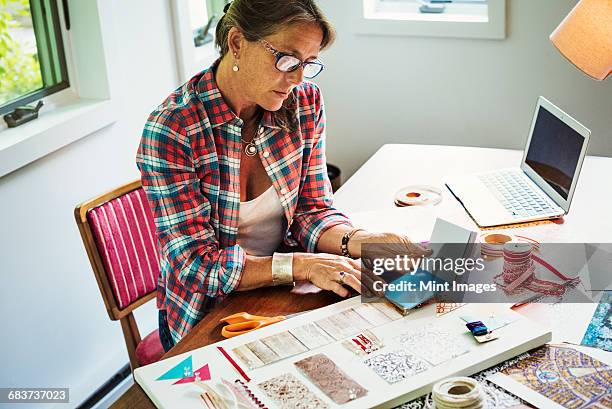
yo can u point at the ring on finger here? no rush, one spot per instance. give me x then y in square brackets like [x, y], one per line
[342, 276]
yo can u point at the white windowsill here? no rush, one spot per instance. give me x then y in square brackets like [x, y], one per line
[51, 131]
[457, 21]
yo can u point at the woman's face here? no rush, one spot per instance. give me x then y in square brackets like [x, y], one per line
[261, 82]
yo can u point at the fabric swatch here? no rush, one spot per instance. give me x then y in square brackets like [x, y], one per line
[289, 393]
[372, 314]
[343, 324]
[396, 366]
[599, 332]
[263, 352]
[387, 309]
[336, 384]
[446, 307]
[311, 336]
[434, 344]
[248, 357]
[363, 344]
[284, 344]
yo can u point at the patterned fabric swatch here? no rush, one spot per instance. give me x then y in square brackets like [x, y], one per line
[269, 349]
[396, 366]
[336, 384]
[372, 314]
[446, 307]
[343, 324]
[434, 344]
[289, 393]
[363, 344]
[284, 344]
[599, 331]
[311, 336]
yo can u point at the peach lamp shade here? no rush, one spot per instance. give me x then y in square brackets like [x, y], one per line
[585, 37]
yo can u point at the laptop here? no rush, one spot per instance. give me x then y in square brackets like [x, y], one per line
[544, 184]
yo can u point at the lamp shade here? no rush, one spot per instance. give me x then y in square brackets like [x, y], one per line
[585, 37]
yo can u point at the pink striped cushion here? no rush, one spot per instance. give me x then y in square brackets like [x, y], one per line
[124, 232]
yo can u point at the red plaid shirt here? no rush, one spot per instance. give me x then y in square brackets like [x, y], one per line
[189, 157]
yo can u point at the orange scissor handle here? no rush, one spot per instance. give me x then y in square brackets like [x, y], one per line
[244, 317]
[243, 322]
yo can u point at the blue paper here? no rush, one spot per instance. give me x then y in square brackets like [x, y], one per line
[182, 370]
[599, 331]
[408, 299]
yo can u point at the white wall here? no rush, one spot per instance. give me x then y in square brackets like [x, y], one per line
[392, 89]
[55, 329]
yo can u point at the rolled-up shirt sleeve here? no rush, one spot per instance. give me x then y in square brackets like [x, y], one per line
[181, 211]
[315, 212]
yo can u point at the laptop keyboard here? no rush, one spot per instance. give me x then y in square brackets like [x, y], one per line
[519, 199]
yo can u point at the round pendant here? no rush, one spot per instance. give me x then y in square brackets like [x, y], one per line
[250, 149]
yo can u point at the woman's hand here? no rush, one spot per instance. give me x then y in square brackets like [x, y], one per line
[328, 271]
[387, 245]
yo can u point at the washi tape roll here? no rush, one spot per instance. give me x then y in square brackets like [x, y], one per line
[458, 392]
[418, 195]
[492, 244]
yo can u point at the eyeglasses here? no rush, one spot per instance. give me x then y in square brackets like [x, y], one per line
[289, 63]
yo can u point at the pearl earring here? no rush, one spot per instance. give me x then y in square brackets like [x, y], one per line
[235, 68]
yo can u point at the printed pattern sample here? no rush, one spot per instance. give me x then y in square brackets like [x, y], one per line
[269, 349]
[311, 336]
[396, 366]
[446, 307]
[434, 344]
[248, 357]
[372, 314]
[324, 373]
[343, 324]
[289, 393]
[599, 331]
[284, 344]
[565, 376]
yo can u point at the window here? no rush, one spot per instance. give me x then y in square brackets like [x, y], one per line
[434, 18]
[32, 60]
[194, 29]
[446, 10]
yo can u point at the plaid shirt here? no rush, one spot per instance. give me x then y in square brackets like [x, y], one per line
[189, 157]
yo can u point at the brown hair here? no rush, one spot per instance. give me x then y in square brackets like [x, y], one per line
[257, 19]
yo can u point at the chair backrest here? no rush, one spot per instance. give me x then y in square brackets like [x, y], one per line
[118, 232]
[119, 235]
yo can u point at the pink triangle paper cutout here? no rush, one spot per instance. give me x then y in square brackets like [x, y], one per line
[203, 374]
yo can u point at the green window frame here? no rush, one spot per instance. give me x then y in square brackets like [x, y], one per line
[50, 54]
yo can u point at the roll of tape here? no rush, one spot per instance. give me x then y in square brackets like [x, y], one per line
[492, 244]
[458, 392]
[418, 195]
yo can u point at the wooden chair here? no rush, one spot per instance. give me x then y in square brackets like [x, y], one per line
[119, 235]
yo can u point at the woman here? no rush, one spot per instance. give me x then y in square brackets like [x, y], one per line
[233, 164]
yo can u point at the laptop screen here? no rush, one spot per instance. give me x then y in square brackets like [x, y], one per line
[554, 151]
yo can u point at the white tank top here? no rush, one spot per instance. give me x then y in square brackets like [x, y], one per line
[261, 224]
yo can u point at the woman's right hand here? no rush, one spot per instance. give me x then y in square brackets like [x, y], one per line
[328, 271]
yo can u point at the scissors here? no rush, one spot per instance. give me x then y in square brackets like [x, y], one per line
[243, 322]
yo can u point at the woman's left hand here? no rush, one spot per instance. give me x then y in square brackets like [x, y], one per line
[391, 244]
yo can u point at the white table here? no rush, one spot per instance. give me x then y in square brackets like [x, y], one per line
[372, 189]
[367, 198]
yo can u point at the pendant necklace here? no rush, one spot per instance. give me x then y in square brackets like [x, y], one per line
[250, 149]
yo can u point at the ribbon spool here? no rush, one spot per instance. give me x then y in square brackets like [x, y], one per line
[519, 267]
[418, 195]
[492, 244]
[518, 264]
[458, 392]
